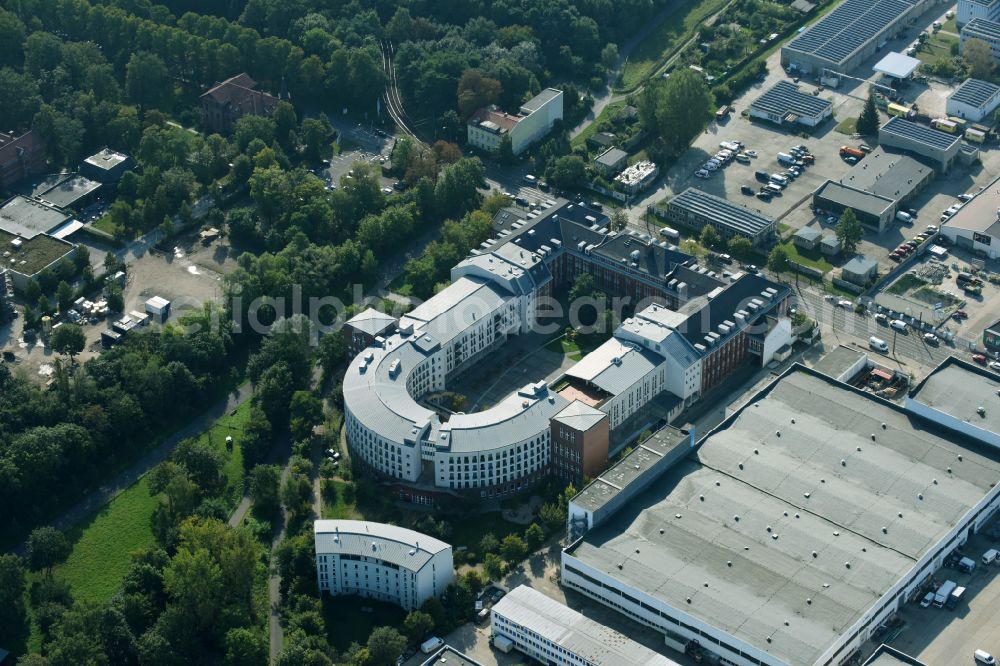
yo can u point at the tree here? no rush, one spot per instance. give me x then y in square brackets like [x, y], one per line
[849, 231]
[583, 287]
[609, 55]
[203, 463]
[256, 437]
[777, 261]
[493, 566]
[306, 412]
[676, 110]
[709, 236]
[534, 536]
[385, 644]
[68, 339]
[46, 548]
[12, 588]
[263, 483]
[740, 245]
[476, 91]
[64, 296]
[868, 121]
[418, 624]
[568, 172]
[979, 58]
[147, 79]
[489, 543]
[513, 549]
[245, 647]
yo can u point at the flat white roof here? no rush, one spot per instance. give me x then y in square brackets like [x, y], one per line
[897, 65]
[597, 644]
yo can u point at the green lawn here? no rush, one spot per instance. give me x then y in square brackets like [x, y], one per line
[566, 347]
[102, 545]
[662, 42]
[905, 283]
[231, 424]
[812, 258]
[105, 224]
[470, 532]
[401, 286]
[351, 619]
[606, 114]
[938, 46]
[340, 503]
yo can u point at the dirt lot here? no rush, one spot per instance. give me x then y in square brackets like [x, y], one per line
[188, 277]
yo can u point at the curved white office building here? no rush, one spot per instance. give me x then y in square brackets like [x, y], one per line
[536, 429]
[380, 561]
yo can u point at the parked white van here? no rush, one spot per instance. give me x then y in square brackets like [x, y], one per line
[878, 344]
[984, 657]
[898, 324]
[903, 216]
[990, 556]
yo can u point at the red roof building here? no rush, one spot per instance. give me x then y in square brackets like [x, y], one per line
[20, 157]
[232, 99]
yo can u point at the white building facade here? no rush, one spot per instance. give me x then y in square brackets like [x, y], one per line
[383, 562]
[554, 634]
[536, 118]
[972, 9]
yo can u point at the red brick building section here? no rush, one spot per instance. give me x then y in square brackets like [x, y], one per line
[580, 439]
[20, 157]
[232, 99]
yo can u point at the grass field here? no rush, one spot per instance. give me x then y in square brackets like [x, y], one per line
[606, 114]
[105, 224]
[101, 546]
[847, 126]
[339, 504]
[351, 619]
[812, 258]
[566, 347]
[937, 47]
[662, 42]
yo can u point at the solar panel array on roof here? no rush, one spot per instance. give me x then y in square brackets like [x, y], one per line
[785, 97]
[914, 132]
[848, 27]
[975, 92]
[980, 28]
[721, 211]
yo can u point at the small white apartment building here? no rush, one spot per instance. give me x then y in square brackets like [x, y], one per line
[382, 562]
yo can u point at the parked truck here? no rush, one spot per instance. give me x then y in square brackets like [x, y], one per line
[846, 151]
[955, 598]
[899, 110]
[942, 593]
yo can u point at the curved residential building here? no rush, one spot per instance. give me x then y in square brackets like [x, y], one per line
[537, 429]
[380, 561]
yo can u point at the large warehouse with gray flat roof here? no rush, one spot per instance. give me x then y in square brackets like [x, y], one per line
[962, 397]
[849, 35]
[799, 525]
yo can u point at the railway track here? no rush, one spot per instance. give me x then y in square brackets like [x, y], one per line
[391, 98]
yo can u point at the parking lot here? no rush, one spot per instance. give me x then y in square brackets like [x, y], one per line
[940, 636]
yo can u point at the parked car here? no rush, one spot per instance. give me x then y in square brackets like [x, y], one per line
[895, 256]
[995, 366]
[931, 339]
[851, 159]
[979, 358]
[762, 176]
[747, 190]
[702, 173]
[961, 314]
[965, 197]
[808, 159]
[750, 153]
[764, 195]
[882, 319]
[743, 158]
[927, 600]
[710, 166]
[899, 325]
[844, 303]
